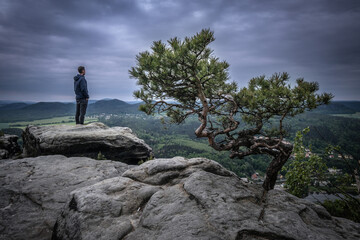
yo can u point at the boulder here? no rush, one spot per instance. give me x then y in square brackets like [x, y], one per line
[116, 143]
[34, 190]
[192, 199]
[8, 146]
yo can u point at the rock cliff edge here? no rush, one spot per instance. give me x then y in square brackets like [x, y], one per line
[116, 143]
[71, 197]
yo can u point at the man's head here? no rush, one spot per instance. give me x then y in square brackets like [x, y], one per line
[81, 70]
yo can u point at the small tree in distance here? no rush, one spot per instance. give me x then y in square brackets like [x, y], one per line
[232, 119]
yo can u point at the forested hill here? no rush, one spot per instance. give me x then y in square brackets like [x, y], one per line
[24, 111]
[35, 111]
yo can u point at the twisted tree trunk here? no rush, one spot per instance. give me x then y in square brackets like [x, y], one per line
[275, 166]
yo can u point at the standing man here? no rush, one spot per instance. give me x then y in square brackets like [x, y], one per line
[82, 95]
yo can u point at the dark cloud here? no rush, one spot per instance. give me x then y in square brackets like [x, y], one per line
[42, 42]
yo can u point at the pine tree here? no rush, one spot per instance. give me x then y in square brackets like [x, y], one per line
[188, 73]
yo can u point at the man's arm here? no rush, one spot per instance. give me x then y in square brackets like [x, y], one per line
[83, 88]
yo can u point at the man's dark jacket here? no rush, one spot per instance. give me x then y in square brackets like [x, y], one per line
[80, 87]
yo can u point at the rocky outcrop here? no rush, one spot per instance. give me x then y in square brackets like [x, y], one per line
[117, 143]
[9, 146]
[34, 190]
[192, 199]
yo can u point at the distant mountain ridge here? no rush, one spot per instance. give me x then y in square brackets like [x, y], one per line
[113, 106]
[339, 107]
[352, 104]
[16, 105]
[24, 112]
[21, 111]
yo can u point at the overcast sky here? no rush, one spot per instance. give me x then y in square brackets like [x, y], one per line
[43, 41]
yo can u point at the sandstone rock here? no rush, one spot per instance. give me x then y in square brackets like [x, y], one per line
[117, 143]
[192, 199]
[34, 190]
[9, 146]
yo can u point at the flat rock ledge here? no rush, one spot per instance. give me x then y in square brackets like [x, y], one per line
[34, 190]
[192, 199]
[8, 146]
[116, 143]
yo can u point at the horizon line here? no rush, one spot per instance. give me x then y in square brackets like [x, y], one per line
[24, 101]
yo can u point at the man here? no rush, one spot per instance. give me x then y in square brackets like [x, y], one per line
[82, 95]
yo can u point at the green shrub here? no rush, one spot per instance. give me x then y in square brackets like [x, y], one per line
[346, 208]
[302, 170]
